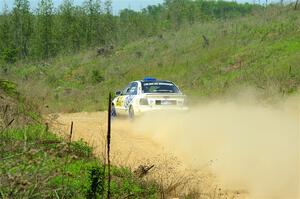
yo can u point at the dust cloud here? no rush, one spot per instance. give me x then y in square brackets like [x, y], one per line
[248, 144]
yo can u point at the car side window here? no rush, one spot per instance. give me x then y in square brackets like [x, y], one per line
[126, 90]
[133, 89]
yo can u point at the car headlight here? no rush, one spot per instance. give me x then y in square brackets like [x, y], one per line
[144, 101]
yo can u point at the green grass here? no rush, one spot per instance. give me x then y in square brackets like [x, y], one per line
[38, 164]
[261, 50]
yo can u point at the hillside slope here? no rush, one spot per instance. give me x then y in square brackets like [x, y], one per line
[261, 50]
[36, 163]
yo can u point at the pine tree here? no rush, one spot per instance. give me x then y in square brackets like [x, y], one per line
[7, 51]
[93, 31]
[109, 25]
[45, 39]
[78, 29]
[22, 27]
[4, 30]
[45, 33]
[66, 17]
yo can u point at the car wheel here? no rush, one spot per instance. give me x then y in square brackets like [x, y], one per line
[131, 113]
[113, 111]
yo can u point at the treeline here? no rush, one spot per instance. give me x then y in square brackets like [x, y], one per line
[48, 31]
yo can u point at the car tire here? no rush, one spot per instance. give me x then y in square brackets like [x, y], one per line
[131, 113]
[113, 112]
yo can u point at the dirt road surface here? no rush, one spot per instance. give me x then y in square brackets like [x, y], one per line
[127, 148]
[131, 148]
[245, 144]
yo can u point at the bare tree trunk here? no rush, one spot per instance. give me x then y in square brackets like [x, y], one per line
[296, 4]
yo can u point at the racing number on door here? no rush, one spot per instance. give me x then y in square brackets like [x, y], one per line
[120, 101]
[128, 95]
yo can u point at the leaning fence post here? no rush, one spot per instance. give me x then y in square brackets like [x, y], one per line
[108, 143]
[71, 132]
[5, 110]
[46, 127]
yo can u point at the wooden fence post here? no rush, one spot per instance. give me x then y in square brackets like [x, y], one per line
[71, 132]
[108, 143]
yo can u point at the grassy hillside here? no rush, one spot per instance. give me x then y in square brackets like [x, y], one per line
[37, 164]
[34, 163]
[261, 50]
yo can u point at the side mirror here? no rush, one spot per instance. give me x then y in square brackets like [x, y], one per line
[118, 93]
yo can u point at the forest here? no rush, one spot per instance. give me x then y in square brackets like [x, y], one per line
[48, 31]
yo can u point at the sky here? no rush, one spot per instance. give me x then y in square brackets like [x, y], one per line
[117, 4]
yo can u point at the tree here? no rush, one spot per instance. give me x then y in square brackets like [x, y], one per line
[109, 24]
[4, 30]
[7, 51]
[22, 27]
[45, 43]
[66, 24]
[93, 29]
[47, 32]
[296, 4]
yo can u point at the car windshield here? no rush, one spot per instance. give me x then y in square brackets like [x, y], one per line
[159, 87]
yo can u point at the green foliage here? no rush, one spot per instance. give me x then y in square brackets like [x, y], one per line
[69, 28]
[45, 47]
[33, 133]
[259, 50]
[22, 27]
[9, 55]
[81, 149]
[123, 184]
[38, 164]
[8, 87]
[96, 77]
[97, 182]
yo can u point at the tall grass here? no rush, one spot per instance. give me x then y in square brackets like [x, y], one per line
[38, 164]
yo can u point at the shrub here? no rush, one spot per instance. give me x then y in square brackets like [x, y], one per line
[97, 77]
[81, 148]
[8, 87]
[97, 181]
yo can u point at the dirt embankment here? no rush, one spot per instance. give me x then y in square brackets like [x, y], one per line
[14, 113]
[247, 145]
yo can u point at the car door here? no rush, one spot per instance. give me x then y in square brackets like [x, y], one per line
[130, 95]
[120, 101]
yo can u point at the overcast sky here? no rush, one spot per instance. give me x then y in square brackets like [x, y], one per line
[117, 4]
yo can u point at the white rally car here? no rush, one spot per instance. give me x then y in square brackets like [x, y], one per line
[147, 95]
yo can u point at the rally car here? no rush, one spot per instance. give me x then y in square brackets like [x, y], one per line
[147, 95]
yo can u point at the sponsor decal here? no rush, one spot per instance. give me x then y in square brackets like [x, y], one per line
[119, 101]
[128, 100]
